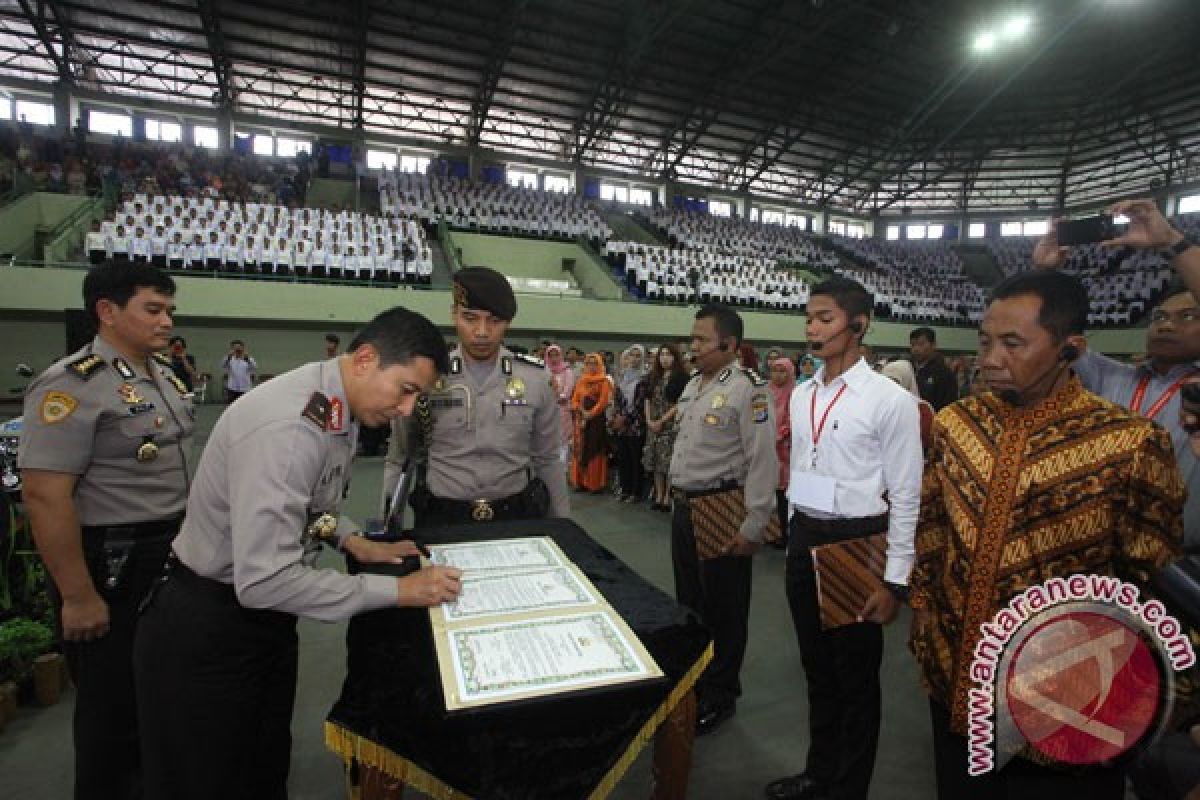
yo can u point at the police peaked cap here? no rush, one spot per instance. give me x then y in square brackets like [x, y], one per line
[484, 289]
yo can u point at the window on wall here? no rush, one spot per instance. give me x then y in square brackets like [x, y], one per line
[719, 208]
[754, 215]
[837, 227]
[556, 183]
[288, 148]
[263, 144]
[915, 232]
[417, 164]
[204, 136]
[381, 159]
[1036, 227]
[35, 113]
[936, 231]
[521, 178]
[856, 230]
[893, 232]
[110, 123]
[796, 221]
[772, 217]
[5, 108]
[1189, 204]
[614, 193]
[641, 197]
[1010, 229]
[163, 131]
[977, 230]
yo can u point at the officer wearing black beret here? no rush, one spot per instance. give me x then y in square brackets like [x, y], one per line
[484, 443]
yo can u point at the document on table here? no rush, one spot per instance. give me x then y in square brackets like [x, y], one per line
[528, 624]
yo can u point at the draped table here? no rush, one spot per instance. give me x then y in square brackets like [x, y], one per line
[391, 728]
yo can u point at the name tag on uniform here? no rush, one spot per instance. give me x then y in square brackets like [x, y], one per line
[445, 402]
[812, 491]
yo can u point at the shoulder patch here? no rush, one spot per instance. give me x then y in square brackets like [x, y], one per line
[57, 406]
[317, 410]
[754, 377]
[87, 366]
[760, 407]
[530, 360]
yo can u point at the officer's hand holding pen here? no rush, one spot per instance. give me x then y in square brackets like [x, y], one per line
[429, 586]
[84, 618]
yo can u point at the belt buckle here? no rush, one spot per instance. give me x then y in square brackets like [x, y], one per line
[482, 511]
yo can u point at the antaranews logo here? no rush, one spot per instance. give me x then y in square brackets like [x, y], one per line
[1079, 668]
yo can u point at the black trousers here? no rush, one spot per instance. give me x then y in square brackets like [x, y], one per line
[104, 728]
[842, 670]
[629, 464]
[718, 590]
[215, 684]
[1019, 779]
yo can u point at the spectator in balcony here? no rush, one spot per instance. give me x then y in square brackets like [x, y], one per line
[935, 379]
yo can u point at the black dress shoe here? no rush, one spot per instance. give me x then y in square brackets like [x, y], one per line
[795, 787]
[710, 716]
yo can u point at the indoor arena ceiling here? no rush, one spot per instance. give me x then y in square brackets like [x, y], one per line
[861, 105]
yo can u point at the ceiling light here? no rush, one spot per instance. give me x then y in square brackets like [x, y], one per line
[1016, 27]
[985, 42]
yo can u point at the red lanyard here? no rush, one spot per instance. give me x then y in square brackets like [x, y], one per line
[812, 415]
[1139, 394]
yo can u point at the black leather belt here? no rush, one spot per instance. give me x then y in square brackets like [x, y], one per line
[136, 530]
[516, 506]
[836, 530]
[683, 495]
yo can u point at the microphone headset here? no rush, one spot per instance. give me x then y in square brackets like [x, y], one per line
[854, 327]
[1019, 396]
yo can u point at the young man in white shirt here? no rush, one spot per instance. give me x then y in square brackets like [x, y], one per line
[118, 245]
[856, 437]
[94, 243]
[139, 247]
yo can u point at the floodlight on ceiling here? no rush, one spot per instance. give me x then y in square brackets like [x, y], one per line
[984, 42]
[1017, 26]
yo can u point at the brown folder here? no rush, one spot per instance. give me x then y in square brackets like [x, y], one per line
[848, 573]
[718, 517]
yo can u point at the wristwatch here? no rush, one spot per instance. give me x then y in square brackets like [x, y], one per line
[898, 590]
[324, 529]
[1182, 246]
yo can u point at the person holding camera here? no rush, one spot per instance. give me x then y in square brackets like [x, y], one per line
[1153, 388]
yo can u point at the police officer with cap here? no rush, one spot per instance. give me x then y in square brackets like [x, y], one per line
[726, 440]
[105, 462]
[483, 445]
[216, 650]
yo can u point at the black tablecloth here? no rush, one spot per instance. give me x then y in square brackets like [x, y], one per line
[391, 713]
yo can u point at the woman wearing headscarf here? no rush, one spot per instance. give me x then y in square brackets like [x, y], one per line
[902, 372]
[629, 424]
[783, 381]
[661, 391]
[589, 401]
[562, 378]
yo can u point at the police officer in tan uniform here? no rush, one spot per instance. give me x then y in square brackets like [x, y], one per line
[726, 439]
[484, 444]
[105, 457]
[215, 655]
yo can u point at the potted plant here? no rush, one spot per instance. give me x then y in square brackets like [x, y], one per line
[22, 641]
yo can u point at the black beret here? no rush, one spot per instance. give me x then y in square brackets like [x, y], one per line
[484, 289]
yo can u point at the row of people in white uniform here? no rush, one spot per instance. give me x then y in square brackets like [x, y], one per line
[737, 236]
[909, 298]
[497, 208]
[394, 260]
[920, 257]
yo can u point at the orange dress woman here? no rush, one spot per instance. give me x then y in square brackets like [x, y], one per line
[589, 401]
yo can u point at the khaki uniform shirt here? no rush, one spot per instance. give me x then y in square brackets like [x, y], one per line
[277, 458]
[726, 432]
[489, 438]
[91, 414]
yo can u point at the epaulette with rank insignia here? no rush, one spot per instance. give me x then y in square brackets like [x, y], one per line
[754, 377]
[163, 359]
[317, 410]
[530, 360]
[87, 366]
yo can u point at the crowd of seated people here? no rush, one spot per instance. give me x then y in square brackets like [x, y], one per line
[204, 232]
[914, 281]
[490, 208]
[732, 236]
[661, 274]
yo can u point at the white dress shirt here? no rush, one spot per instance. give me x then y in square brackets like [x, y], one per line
[870, 444]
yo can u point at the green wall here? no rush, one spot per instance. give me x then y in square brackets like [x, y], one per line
[524, 258]
[284, 323]
[20, 220]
